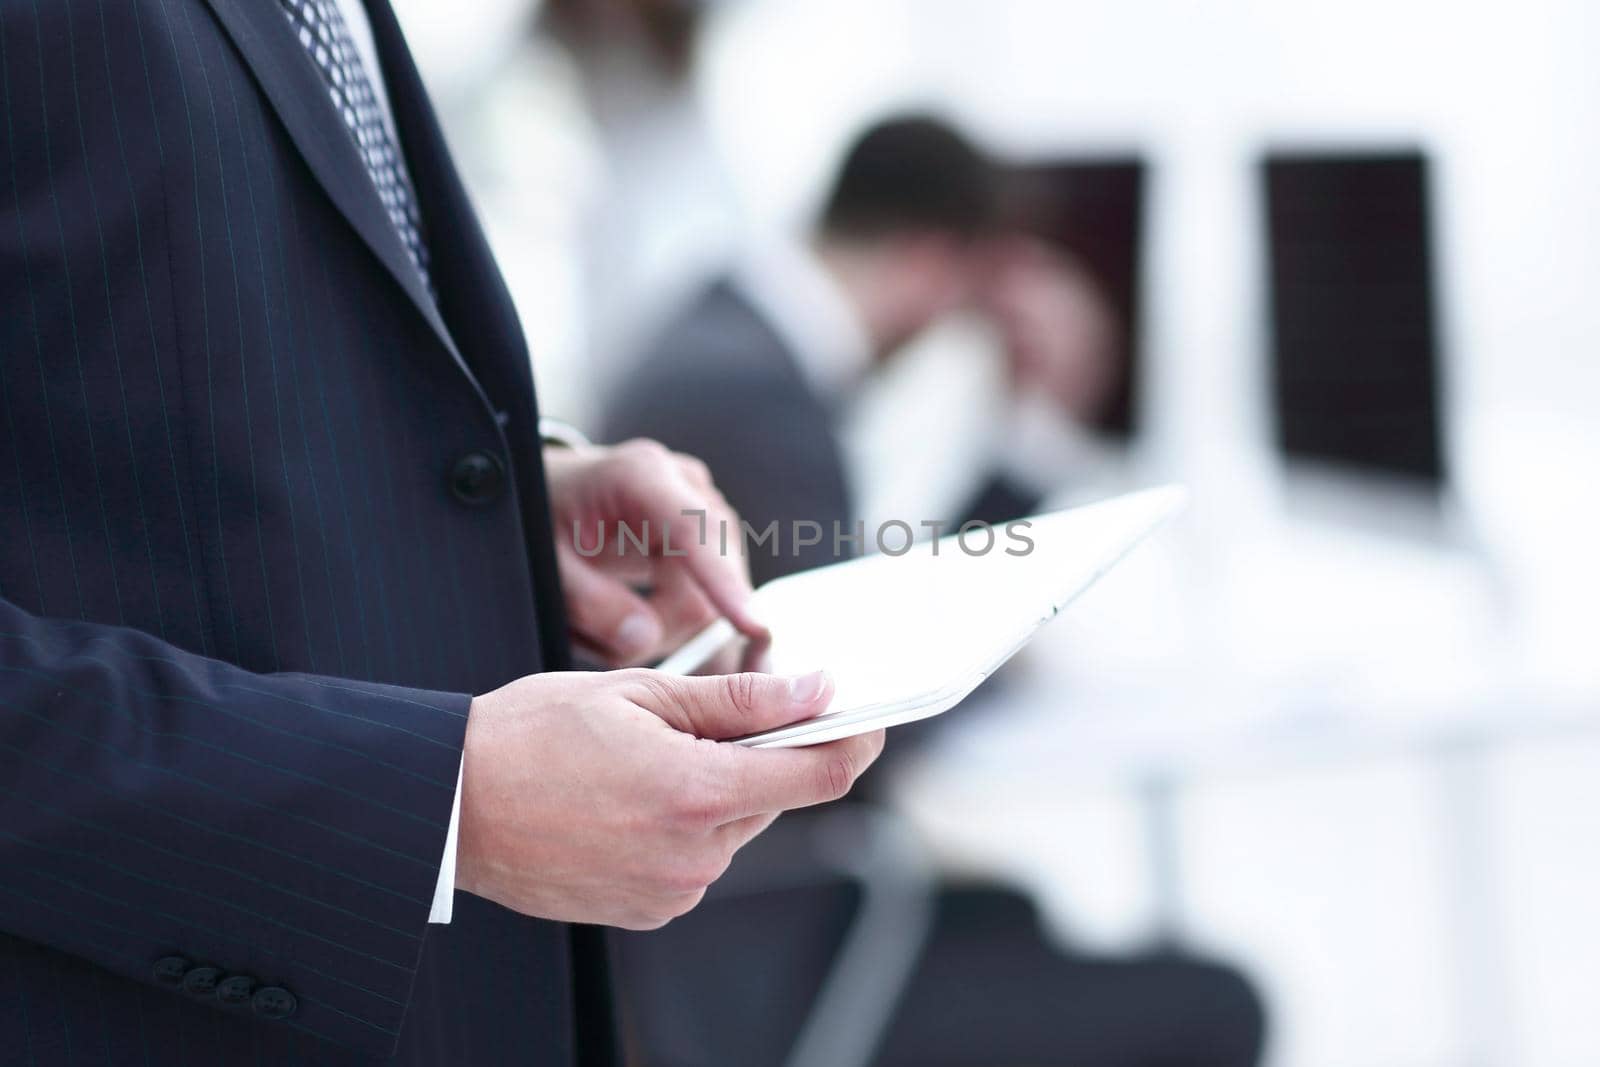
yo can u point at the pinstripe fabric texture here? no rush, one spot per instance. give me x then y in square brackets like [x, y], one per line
[240, 607]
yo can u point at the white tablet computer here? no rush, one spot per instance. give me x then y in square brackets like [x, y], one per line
[910, 635]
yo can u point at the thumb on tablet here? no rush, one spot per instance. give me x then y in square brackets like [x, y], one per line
[724, 706]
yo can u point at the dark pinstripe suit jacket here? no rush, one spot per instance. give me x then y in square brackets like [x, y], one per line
[242, 600]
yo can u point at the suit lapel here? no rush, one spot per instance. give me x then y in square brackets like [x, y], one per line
[472, 293]
[296, 92]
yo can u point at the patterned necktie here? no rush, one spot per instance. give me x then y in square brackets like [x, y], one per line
[326, 37]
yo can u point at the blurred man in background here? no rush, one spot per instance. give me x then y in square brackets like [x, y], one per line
[752, 376]
[755, 370]
[754, 373]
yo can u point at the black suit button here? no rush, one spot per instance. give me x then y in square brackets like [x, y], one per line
[235, 989]
[202, 981]
[169, 971]
[478, 478]
[274, 1002]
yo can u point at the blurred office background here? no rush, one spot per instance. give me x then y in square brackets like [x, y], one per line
[1342, 727]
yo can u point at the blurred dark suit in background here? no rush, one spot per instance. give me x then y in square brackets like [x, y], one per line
[724, 381]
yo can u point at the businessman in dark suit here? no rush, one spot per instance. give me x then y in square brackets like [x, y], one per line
[280, 779]
[750, 376]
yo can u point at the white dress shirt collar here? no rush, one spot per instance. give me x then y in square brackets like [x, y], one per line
[805, 305]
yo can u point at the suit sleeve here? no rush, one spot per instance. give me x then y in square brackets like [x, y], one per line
[286, 829]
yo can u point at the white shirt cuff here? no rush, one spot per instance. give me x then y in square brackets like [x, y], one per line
[444, 894]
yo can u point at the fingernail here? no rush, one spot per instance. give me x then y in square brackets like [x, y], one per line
[806, 688]
[638, 633]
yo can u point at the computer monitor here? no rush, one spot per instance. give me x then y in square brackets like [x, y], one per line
[1354, 336]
